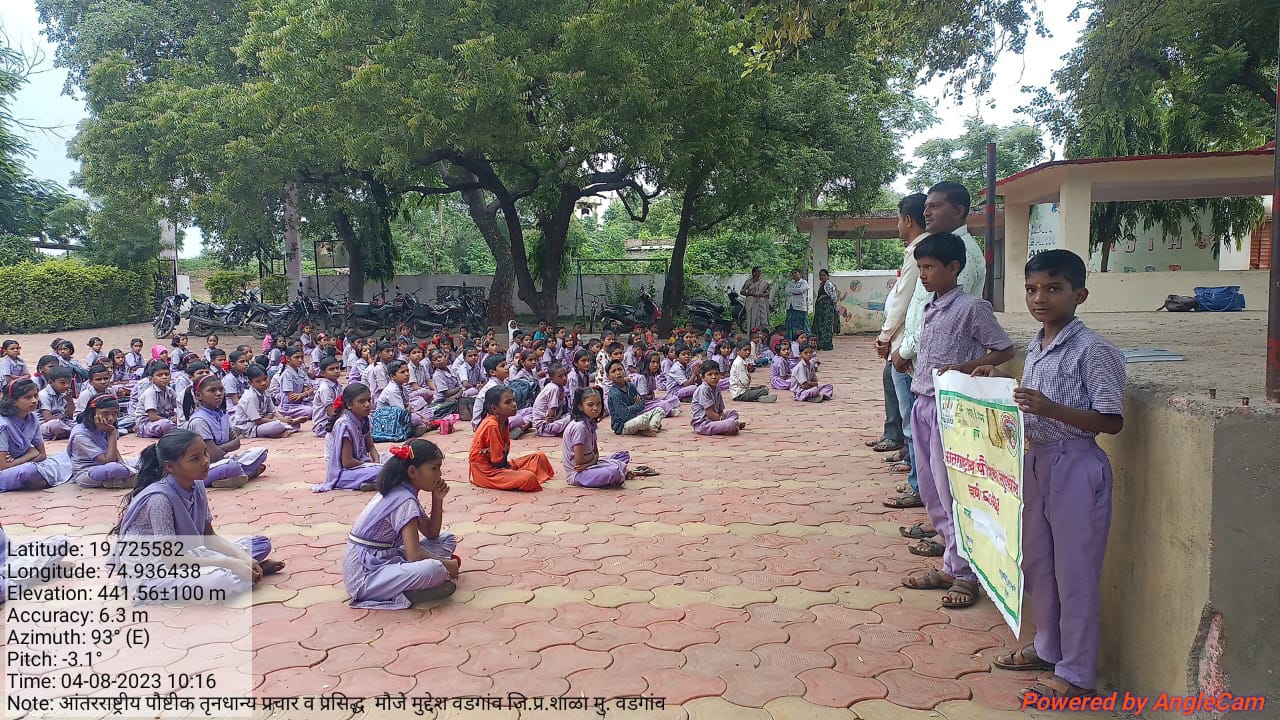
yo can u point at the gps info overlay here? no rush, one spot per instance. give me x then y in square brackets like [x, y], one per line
[98, 625]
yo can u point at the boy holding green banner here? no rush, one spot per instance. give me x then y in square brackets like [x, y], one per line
[1072, 389]
[961, 333]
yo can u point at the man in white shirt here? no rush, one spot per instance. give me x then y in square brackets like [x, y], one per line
[797, 305]
[946, 208]
[897, 427]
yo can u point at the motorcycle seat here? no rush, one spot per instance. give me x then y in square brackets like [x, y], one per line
[703, 306]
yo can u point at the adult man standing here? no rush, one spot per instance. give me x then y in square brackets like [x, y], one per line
[756, 291]
[946, 209]
[897, 386]
[797, 305]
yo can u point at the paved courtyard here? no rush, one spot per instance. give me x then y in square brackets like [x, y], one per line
[756, 577]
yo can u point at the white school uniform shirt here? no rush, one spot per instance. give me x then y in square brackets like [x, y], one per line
[253, 406]
[393, 395]
[54, 402]
[82, 400]
[376, 378]
[349, 356]
[293, 381]
[234, 385]
[739, 377]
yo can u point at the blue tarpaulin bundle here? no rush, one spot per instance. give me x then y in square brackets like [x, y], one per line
[1220, 299]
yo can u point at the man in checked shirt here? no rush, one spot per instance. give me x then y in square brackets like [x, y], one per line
[1072, 389]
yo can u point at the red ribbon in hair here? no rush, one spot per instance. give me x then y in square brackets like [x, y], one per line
[404, 452]
[337, 403]
[226, 366]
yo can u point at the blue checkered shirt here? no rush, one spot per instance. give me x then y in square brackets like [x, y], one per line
[1080, 370]
[957, 328]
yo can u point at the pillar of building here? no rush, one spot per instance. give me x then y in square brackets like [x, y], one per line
[1017, 237]
[1075, 199]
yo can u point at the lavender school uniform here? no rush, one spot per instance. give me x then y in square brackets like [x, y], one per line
[551, 398]
[804, 373]
[10, 369]
[84, 447]
[60, 425]
[166, 406]
[606, 472]
[234, 385]
[376, 570]
[335, 476]
[215, 426]
[705, 397]
[957, 328]
[294, 381]
[326, 392]
[17, 436]
[1067, 497]
[646, 385]
[676, 377]
[164, 509]
[253, 406]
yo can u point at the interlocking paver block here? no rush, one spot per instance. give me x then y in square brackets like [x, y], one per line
[714, 708]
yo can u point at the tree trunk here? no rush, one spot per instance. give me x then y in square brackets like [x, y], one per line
[673, 286]
[355, 255]
[555, 238]
[501, 306]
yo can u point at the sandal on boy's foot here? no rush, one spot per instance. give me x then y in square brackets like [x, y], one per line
[1054, 687]
[873, 443]
[907, 499]
[271, 567]
[916, 532]
[886, 446]
[644, 471]
[1024, 659]
[438, 592]
[368, 487]
[927, 548]
[961, 594]
[235, 481]
[927, 580]
[900, 467]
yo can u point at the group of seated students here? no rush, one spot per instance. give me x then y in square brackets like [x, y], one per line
[198, 407]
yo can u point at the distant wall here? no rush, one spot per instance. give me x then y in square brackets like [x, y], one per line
[862, 295]
[1138, 291]
[596, 288]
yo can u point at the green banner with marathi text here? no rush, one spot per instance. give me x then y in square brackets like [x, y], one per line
[982, 445]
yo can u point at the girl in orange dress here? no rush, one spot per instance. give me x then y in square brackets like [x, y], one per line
[491, 445]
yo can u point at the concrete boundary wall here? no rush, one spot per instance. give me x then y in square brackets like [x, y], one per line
[596, 288]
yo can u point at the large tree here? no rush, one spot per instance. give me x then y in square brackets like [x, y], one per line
[964, 159]
[1166, 77]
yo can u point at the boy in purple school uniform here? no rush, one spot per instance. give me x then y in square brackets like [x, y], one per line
[959, 333]
[1072, 389]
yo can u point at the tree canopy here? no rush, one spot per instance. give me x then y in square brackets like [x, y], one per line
[964, 159]
[1168, 77]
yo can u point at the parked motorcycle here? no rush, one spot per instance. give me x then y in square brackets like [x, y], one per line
[206, 318]
[168, 315]
[625, 317]
[429, 317]
[706, 314]
[379, 315]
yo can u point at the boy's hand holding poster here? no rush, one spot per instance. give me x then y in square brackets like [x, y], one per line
[982, 445]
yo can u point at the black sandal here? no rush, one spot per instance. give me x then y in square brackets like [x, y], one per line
[916, 532]
[887, 446]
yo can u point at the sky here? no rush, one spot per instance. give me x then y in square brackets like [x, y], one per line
[42, 104]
